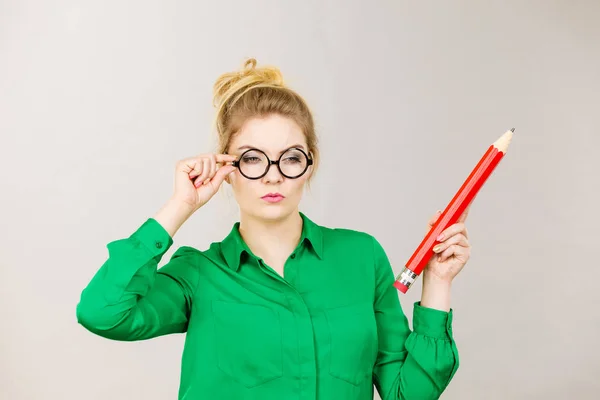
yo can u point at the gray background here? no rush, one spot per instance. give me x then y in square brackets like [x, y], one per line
[98, 100]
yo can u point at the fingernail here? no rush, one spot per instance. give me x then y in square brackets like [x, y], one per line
[436, 248]
[440, 237]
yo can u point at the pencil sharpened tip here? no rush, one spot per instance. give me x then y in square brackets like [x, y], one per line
[512, 130]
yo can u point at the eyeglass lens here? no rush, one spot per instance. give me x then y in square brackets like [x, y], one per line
[255, 163]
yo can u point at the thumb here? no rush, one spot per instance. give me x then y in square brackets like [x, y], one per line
[220, 175]
[433, 220]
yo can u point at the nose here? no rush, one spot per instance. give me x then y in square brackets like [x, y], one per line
[273, 174]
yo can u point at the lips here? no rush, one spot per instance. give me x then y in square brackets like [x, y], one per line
[273, 197]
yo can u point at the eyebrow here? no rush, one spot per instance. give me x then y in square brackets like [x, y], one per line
[287, 148]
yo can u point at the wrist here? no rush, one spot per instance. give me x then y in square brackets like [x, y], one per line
[180, 207]
[173, 214]
[435, 280]
[436, 293]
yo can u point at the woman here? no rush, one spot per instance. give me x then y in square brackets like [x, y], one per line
[281, 308]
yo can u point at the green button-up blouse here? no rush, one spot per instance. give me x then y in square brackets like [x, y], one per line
[332, 328]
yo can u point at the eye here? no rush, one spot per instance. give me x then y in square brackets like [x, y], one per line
[250, 159]
[292, 159]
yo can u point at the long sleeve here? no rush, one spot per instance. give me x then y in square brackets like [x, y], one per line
[416, 364]
[129, 299]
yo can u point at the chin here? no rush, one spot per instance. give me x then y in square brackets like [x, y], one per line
[272, 212]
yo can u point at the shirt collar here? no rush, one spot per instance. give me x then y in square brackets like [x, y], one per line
[233, 246]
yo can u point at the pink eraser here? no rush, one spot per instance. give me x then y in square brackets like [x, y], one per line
[400, 287]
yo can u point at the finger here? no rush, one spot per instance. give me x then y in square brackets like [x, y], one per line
[452, 251]
[213, 165]
[465, 214]
[223, 158]
[458, 239]
[212, 168]
[435, 217]
[449, 252]
[220, 175]
[466, 233]
[461, 253]
[200, 178]
[205, 171]
[451, 230]
[194, 167]
[433, 220]
[207, 168]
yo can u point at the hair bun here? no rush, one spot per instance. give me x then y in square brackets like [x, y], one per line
[269, 75]
[238, 82]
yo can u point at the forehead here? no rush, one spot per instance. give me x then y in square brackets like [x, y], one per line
[271, 134]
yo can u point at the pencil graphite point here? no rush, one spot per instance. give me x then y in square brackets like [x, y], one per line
[504, 141]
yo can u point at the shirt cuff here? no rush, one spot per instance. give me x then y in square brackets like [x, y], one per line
[432, 322]
[154, 237]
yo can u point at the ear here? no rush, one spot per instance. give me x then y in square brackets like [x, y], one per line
[309, 173]
[311, 168]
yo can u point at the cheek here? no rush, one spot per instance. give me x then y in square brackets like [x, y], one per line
[253, 189]
[297, 186]
[244, 187]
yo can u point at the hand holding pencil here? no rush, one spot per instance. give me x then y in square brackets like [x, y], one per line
[453, 251]
[447, 232]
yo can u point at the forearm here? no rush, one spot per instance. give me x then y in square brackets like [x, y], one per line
[172, 215]
[422, 365]
[124, 298]
[417, 364]
[436, 293]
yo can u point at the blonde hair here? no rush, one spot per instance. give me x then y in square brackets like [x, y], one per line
[259, 92]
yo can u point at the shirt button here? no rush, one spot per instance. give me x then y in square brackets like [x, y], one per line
[293, 256]
[158, 245]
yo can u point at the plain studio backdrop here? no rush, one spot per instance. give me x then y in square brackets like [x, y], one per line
[98, 100]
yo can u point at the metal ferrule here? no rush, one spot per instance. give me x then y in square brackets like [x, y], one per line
[407, 277]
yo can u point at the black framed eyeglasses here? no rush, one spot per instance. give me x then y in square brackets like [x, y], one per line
[254, 163]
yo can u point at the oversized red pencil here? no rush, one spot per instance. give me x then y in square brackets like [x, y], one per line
[453, 211]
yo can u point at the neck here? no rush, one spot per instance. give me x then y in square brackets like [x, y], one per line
[271, 238]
